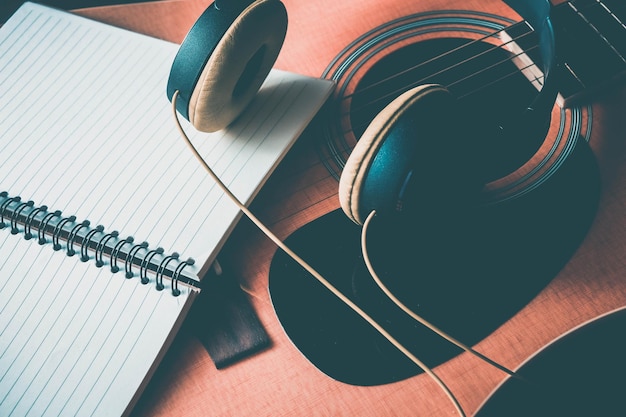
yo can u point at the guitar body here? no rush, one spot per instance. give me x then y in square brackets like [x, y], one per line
[468, 272]
[355, 44]
[561, 372]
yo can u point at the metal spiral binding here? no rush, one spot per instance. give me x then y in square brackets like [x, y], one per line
[162, 266]
[84, 247]
[28, 235]
[4, 206]
[116, 253]
[72, 237]
[143, 271]
[94, 243]
[58, 228]
[132, 253]
[43, 226]
[101, 245]
[177, 272]
[16, 214]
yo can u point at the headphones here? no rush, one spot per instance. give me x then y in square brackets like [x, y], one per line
[231, 48]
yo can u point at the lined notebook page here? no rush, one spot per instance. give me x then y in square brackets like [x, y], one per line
[75, 340]
[86, 128]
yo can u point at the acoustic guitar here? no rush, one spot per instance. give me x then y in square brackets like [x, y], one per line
[541, 257]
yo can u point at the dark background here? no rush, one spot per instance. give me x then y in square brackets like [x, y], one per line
[7, 7]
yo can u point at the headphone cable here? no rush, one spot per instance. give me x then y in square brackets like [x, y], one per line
[411, 313]
[310, 269]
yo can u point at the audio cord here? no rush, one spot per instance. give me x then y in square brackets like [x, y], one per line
[333, 289]
[410, 312]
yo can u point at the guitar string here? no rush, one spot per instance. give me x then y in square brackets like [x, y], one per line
[503, 78]
[613, 15]
[447, 54]
[450, 84]
[459, 97]
[462, 96]
[310, 269]
[399, 91]
[362, 106]
[578, 10]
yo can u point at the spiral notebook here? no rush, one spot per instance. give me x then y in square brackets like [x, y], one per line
[107, 222]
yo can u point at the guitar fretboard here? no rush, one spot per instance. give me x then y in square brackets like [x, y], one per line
[591, 43]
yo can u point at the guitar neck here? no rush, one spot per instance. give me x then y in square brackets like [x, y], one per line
[591, 42]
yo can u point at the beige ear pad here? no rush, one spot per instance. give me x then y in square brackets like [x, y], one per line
[238, 66]
[368, 145]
